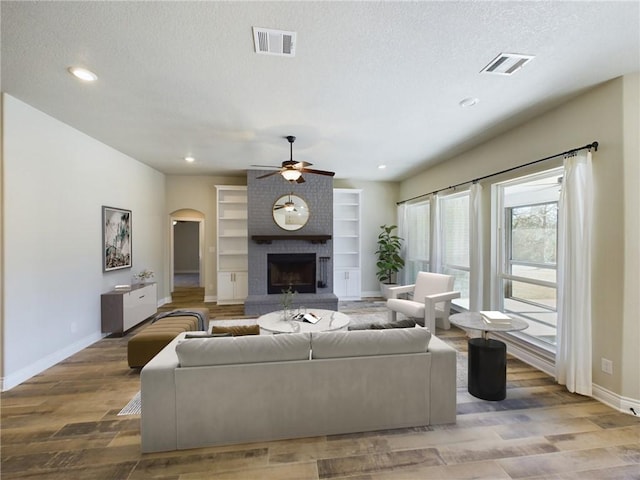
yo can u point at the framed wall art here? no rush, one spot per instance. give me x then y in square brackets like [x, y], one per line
[116, 238]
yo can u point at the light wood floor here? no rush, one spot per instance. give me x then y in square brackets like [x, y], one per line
[63, 424]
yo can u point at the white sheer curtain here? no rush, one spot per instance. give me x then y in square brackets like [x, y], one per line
[402, 233]
[573, 355]
[475, 248]
[436, 234]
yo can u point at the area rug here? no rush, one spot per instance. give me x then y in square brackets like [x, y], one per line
[134, 407]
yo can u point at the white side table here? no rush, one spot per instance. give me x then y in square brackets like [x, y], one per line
[487, 363]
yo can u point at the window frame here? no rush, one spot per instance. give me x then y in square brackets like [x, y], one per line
[461, 303]
[501, 250]
[425, 263]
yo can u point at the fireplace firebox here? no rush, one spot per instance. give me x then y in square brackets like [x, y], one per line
[295, 270]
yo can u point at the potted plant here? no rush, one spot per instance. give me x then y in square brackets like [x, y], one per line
[288, 296]
[389, 260]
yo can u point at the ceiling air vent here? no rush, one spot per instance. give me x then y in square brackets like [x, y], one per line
[507, 63]
[274, 42]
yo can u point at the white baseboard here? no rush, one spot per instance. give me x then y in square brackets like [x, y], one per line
[536, 361]
[210, 298]
[165, 300]
[620, 403]
[49, 361]
[546, 365]
[371, 294]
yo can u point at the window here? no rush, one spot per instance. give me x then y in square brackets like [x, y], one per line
[526, 280]
[417, 242]
[454, 221]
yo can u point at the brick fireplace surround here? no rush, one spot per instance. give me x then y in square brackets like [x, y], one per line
[317, 191]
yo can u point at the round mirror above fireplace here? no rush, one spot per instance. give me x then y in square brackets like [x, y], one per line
[290, 212]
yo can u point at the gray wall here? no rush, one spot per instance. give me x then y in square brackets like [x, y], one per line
[186, 258]
[317, 191]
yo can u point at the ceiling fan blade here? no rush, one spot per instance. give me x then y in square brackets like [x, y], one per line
[300, 179]
[318, 172]
[301, 165]
[278, 207]
[269, 174]
[265, 166]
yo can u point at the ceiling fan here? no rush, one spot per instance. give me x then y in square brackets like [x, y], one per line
[289, 205]
[292, 170]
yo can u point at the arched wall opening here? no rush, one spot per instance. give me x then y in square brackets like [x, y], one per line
[187, 242]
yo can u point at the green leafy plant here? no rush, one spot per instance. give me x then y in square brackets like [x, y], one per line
[389, 260]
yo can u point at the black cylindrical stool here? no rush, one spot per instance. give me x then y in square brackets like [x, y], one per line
[487, 369]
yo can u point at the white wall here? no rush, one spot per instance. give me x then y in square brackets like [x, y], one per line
[55, 181]
[378, 208]
[607, 114]
[631, 154]
[186, 242]
[198, 193]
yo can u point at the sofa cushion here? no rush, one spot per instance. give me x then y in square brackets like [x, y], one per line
[245, 349]
[208, 335]
[410, 308]
[404, 323]
[237, 330]
[359, 343]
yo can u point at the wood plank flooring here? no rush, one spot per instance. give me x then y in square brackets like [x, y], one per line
[63, 424]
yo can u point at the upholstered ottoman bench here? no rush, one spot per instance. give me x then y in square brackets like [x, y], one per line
[145, 345]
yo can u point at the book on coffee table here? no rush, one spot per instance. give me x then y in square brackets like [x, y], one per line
[494, 317]
[311, 318]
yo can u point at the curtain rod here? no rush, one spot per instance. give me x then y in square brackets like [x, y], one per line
[589, 146]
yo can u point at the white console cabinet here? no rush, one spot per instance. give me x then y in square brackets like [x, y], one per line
[232, 287]
[124, 309]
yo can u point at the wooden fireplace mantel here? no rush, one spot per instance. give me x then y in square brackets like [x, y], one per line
[260, 239]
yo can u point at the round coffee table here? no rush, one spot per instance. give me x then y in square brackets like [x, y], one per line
[329, 321]
[487, 363]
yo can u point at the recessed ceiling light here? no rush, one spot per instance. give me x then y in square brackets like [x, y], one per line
[382, 167]
[83, 74]
[189, 159]
[468, 102]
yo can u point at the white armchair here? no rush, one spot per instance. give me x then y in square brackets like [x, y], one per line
[432, 295]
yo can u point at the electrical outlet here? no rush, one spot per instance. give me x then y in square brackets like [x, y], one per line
[606, 365]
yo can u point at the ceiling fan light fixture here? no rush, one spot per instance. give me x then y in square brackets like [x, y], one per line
[291, 175]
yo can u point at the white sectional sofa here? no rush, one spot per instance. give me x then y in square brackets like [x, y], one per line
[212, 391]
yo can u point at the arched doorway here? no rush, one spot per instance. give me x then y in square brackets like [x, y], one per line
[187, 240]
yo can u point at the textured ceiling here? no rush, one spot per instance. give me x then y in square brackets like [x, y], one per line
[371, 83]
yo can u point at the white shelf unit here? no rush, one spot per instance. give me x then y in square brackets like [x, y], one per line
[232, 248]
[346, 243]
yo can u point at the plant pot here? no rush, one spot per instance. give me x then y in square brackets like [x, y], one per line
[384, 289]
